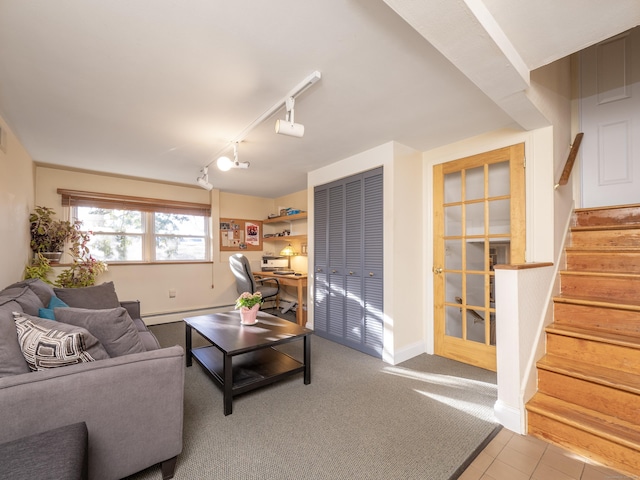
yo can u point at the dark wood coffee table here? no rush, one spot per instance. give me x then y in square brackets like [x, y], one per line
[241, 357]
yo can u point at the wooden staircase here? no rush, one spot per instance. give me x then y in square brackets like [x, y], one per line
[588, 397]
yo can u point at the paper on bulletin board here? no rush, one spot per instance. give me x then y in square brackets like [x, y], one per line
[252, 233]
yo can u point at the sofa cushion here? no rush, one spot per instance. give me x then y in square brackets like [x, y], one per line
[96, 297]
[45, 348]
[43, 290]
[55, 302]
[57, 453]
[29, 301]
[12, 362]
[113, 327]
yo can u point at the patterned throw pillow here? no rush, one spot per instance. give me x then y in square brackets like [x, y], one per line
[49, 348]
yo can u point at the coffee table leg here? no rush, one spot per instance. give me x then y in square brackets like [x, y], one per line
[188, 343]
[227, 384]
[307, 359]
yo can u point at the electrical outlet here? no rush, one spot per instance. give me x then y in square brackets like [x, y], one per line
[172, 293]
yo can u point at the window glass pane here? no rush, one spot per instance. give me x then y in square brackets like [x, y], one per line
[453, 322]
[116, 248]
[474, 183]
[453, 221]
[499, 179]
[499, 216]
[180, 248]
[452, 187]
[453, 254]
[176, 224]
[474, 219]
[475, 290]
[475, 255]
[453, 288]
[105, 220]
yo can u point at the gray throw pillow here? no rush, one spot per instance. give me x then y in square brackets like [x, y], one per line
[96, 297]
[29, 302]
[43, 290]
[49, 344]
[12, 362]
[112, 327]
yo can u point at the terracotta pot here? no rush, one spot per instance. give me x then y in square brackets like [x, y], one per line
[248, 315]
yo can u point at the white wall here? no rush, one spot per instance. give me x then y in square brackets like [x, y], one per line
[16, 202]
[403, 245]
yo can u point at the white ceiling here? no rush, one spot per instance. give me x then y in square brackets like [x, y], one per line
[156, 88]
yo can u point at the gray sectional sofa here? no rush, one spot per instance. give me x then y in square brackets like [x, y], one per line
[97, 363]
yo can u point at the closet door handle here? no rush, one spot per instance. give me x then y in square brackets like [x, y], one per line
[333, 271]
[371, 274]
[350, 273]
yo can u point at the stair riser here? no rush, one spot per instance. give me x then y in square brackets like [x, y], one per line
[595, 318]
[610, 401]
[603, 262]
[606, 238]
[612, 216]
[595, 353]
[615, 289]
[618, 457]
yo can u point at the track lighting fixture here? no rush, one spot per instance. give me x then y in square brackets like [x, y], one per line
[284, 127]
[203, 179]
[225, 163]
[288, 126]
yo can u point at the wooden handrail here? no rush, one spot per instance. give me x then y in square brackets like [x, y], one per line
[564, 178]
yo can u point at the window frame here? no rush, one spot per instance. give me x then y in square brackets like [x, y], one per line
[148, 207]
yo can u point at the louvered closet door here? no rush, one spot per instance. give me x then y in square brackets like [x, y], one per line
[348, 261]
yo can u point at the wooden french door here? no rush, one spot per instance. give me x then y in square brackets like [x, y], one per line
[479, 221]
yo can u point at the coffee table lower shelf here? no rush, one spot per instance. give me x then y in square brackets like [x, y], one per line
[249, 370]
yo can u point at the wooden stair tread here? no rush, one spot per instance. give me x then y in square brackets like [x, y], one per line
[625, 381]
[614, 226]
[578, 273]
[599, 424]
[594, 335]
[603, 249]
[598, 302]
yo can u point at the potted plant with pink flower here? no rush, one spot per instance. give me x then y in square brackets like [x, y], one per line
[249, 304]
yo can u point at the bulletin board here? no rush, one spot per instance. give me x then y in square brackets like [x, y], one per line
[238, 234]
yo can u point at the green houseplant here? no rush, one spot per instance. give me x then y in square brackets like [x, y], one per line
[50, 235]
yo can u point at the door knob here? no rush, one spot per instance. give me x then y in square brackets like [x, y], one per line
[437, 270]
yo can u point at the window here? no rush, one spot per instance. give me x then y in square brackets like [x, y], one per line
[132, 229]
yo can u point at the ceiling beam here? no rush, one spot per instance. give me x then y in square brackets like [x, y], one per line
[466, 33]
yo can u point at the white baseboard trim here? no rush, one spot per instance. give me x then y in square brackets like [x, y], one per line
[405, 353]
[510, 417]
[170, 317]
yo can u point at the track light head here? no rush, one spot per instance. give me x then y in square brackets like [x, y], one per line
[203, 179]
[288, 126]
[291, 129]
[225, 163]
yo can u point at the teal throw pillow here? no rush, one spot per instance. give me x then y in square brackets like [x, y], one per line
[55, 302]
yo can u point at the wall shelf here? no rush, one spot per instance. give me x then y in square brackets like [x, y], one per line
[286, 218]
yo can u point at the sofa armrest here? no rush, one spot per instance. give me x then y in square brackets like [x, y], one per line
[132, 405]
[133, 307]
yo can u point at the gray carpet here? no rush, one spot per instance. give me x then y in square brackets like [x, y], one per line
[358, 419]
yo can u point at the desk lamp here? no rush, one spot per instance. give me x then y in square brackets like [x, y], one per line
[288, 252]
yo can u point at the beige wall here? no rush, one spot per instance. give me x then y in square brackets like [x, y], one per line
[16, 201]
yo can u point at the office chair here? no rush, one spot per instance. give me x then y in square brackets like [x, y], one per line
[245, 282]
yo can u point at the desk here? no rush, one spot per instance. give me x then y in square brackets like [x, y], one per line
[298, 281]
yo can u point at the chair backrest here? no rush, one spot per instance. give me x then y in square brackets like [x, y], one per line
[242, 271]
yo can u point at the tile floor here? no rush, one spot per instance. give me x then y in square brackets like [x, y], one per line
[510, 456]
